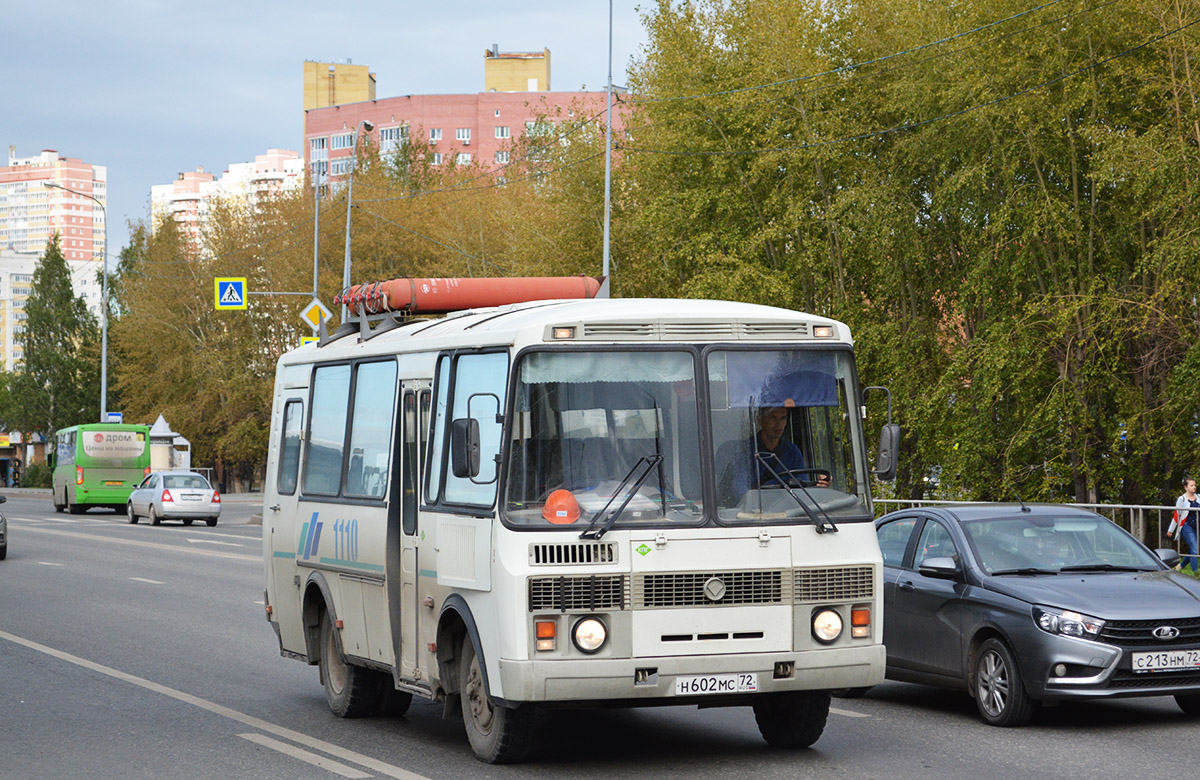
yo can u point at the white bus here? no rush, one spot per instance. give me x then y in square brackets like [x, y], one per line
[574, 503]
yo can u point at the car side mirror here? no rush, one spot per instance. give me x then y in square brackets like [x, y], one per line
[939, 568]
[1168, 556]
[464, 447]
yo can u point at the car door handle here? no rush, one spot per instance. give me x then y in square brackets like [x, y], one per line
[907, 585]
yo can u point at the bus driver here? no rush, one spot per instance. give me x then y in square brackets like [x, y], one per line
[780, 455]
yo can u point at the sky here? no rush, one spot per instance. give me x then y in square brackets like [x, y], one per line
[151, 88]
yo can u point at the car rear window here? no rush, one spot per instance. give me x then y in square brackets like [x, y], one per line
[196, 482]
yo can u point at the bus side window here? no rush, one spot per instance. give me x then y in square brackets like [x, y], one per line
[371, 429]
[327, 430]
[411, 477]
[289, 447]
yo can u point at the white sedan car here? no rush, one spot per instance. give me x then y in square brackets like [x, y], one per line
[182, 495]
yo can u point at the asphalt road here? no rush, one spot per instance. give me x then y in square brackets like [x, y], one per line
[142, 652]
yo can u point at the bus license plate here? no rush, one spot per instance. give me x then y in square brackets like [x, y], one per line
[700, 684]
[1165, 660]
[113, 483]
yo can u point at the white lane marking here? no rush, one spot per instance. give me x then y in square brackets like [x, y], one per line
[138, 543]
[48, 563]
[848, 713]
[345, 754]
[143, 579]
[214, 541]
[67, 520]
[232, 536]
[304, 755]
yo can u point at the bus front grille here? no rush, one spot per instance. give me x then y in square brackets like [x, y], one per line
[711, 589]
[847, 583]
[572, 553]
[586, 592]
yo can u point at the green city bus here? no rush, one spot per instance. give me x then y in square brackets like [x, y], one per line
[99, 464]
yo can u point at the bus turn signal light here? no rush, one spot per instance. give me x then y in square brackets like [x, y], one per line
[545, 631]
[860, 622]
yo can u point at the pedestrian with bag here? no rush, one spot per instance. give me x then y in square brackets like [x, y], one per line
[1186, 523]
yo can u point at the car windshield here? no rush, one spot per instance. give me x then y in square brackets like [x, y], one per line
[595, 427]
[193, 481]
[1035, 541]
[783, 437]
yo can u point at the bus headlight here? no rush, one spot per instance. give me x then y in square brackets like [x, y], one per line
[826, 626]
[589, 635]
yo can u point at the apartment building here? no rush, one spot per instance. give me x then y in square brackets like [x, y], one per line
[188, 198]
[31, 212]
[16, 285]
[463, 129]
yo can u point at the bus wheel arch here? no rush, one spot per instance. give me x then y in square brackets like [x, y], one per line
[317, 601]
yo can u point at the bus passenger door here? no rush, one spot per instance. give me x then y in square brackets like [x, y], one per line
[282, 520]
[415, 423]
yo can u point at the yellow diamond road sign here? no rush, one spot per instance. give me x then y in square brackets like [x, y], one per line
[315, 312]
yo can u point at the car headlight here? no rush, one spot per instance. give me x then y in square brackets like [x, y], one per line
[1067, 623]
[826, 626]
[589, 634]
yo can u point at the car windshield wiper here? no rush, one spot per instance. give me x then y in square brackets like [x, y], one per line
[1104, 567]
[1026, 570]
[602, 521]
[824, 522]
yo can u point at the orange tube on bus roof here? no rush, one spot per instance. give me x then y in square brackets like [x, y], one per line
[439, 295]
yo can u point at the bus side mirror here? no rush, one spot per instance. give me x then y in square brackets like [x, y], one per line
[464, 447]
[889, 447]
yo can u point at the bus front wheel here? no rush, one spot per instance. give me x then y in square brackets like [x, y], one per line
[498, 735]
[794, 719]
[351, 691]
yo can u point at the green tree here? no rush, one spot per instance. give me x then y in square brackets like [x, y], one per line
[58, 384]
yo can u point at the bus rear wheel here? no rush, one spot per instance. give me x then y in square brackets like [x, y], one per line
[498, 735]
[794, 719]
[351, 691]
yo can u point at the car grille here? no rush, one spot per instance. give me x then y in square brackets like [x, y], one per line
[1124, 678]
[849, 583]
[686, 589]
[1139, 633]
[672, 590]
[589, 592]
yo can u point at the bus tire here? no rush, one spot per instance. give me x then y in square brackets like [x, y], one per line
[153, 516]
[59, 506]
[351, 691]
[498, 735]
[133, 518]
[794, 719]
[74, 508]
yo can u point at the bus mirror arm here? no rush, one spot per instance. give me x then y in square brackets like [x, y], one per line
[889, 439]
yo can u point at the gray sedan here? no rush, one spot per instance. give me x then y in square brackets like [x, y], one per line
[183, 495]
[1020, 605]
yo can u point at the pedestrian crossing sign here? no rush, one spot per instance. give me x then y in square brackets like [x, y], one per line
[230, 292]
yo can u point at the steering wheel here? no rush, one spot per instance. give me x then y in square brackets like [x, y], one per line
[800, 474]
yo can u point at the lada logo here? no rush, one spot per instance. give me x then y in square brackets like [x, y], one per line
[1165, 633]
[714, 589]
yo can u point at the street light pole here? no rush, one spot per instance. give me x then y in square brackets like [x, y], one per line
[368, 126]
[608, 154]
[103, 295]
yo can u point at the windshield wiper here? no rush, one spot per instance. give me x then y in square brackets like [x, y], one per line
[1026, 570]
[1103, 567]
[601, 522]
[824, 522]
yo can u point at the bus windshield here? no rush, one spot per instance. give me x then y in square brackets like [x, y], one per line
[596, 430]
[783, 437]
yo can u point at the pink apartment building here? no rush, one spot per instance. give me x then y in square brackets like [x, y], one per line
[466, 129]
[30, 213]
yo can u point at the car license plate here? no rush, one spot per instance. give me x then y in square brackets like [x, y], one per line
[191, 496]
[1165, 660]
[695, 685]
